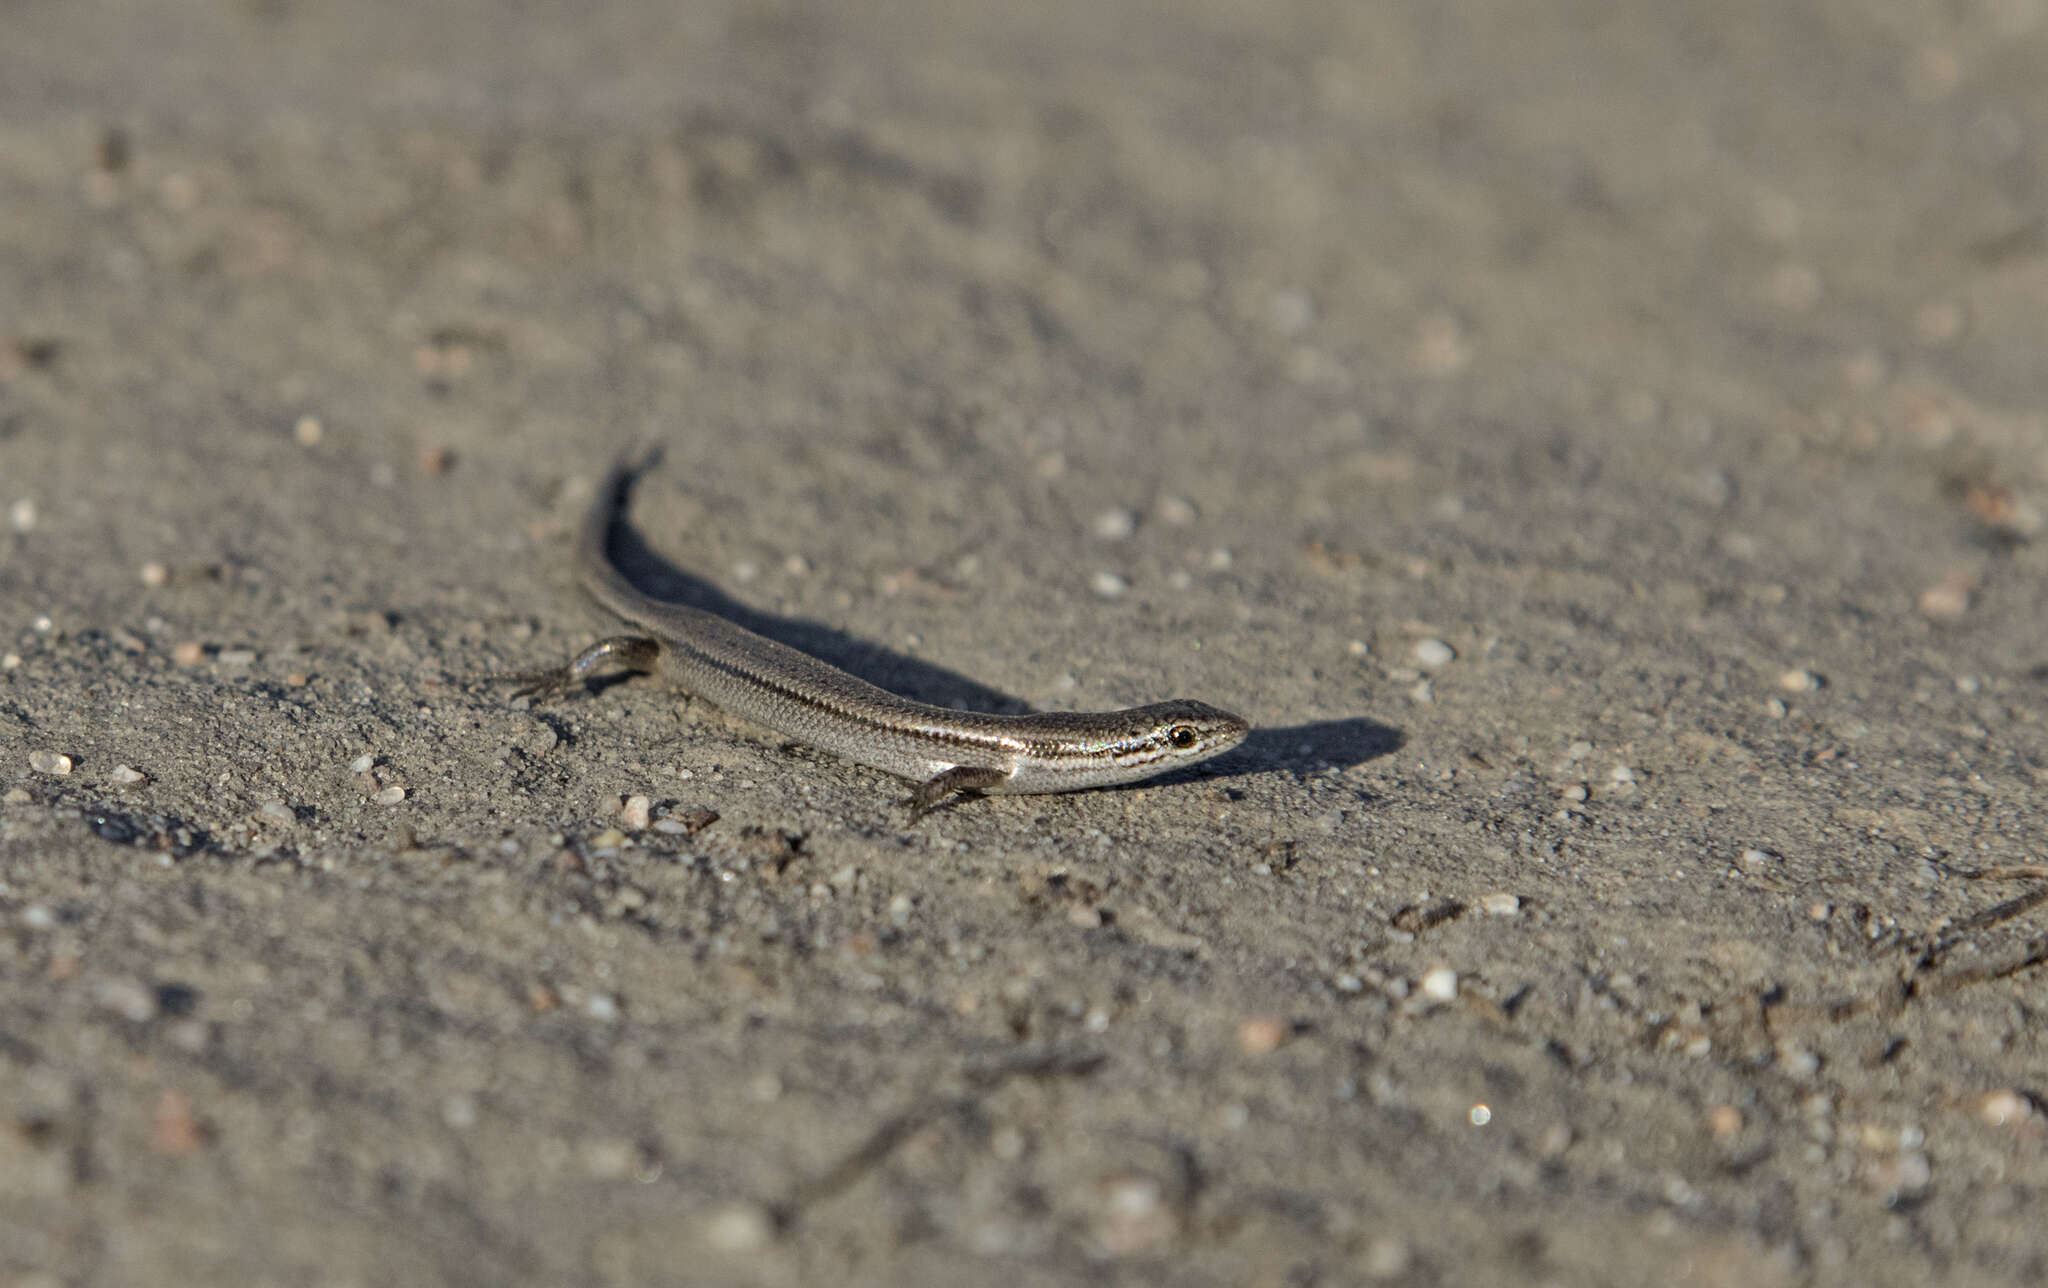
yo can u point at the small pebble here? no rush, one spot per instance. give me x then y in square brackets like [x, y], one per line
[2004, 1108]
[189, 653]
[1108, 585]
[1432, 653]
[22, 514]
[602, 1007]
[16, 796]
[1621, 774]
[1176, 511]
[275, 811]
[125, 776]
[1117, 524]
[308, 431]
[389, 796]
[1799, 681]
[609, 1160]
[1440, 985]
[633, 814]
[363, 764]
[1574, 792]
[1798, 1062]
[127, 999]
[1724, 1121]
[1948, 599]
[1388, 1256]
[176, 1130]
[1261, 1035]
[459, 1112]
[1440, 347]
[236, 658]
[1220, 560]
[1358, 648]
[38, 916]
[1753, 861]
[1423, 693]
[1500, 904]
[739, 1227]
[1133, 1216]
[49, 762]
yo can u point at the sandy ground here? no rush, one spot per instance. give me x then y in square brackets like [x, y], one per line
[1604, 447]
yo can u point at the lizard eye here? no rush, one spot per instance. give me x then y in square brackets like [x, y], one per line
[1181, 736]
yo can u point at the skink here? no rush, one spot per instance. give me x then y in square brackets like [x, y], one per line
[942, 750]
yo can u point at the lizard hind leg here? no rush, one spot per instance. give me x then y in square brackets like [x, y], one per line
[636, 654]
[960, 778]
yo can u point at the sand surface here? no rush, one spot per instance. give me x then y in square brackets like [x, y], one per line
[1603, 447]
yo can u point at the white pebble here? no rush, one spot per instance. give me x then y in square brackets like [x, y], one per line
[1220, 560]
[1621, 774]
[635, 811]
[235, 658]
[37, 916]
[308, 431]
[1423, 693]
[2004, 1109]
[49, 762]
[739, 1227]
[127, 999]
[1115, 524]
[602, 1006]
[362, 764]
[1799, 681]
[155, 574]
[125, 776]
[1358, 648]
[1108, 585]
[1753, 861]
[1440, 985]
[389, 796]
[1386, 1257]
[1500, 904]
[22, 514]
[275, 811]
[1432, 653]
